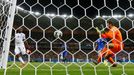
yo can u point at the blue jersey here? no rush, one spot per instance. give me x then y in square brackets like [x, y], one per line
[101, 43]
[65, 53]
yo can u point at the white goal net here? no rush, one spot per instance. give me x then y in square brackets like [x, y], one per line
[74, 53]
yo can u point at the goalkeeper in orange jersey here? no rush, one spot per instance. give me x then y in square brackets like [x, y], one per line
[114, 46]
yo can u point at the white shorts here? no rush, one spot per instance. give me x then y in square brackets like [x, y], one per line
[20, 49]
[61, 57]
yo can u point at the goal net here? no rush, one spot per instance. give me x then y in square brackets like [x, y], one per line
[74, 53]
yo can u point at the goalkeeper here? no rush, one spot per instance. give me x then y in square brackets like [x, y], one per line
[115, 46]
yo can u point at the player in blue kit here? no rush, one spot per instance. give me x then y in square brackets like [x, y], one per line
[64, 54]
[100, 44]
[101, 41]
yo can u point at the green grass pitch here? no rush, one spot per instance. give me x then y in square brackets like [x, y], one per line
[72, 69]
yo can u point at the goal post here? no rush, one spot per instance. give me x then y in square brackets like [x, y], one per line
[7, 30]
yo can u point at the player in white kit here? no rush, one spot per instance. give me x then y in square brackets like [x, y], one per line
[20, 46]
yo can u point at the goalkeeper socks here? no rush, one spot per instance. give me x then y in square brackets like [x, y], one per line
[99, 59]
[21, 60]
[110, 59]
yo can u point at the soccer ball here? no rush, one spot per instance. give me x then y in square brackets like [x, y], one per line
[28, 51]
[58, 34]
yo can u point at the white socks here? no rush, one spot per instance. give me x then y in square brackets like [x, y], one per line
[21, 60]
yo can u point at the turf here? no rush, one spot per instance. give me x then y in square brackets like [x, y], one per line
[35, 68]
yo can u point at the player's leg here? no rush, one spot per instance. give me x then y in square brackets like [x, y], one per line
[64, 59]
[17, 53]
[65, 53]
[101, 54]
[111, 53]
[109, 56]
[24, 52]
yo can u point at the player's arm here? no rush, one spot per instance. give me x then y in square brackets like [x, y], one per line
[109, 34]
[101, 30]
[28, 51]
[97, 29]
[96, 45]
[17, 37]
[26, 43]
[106, 33]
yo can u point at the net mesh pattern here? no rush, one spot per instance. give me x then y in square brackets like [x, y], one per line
[77, 20]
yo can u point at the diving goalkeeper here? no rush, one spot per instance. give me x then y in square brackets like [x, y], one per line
[112, 48]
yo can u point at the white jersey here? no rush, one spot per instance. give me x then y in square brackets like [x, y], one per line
[19, 43]
[19, 38]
